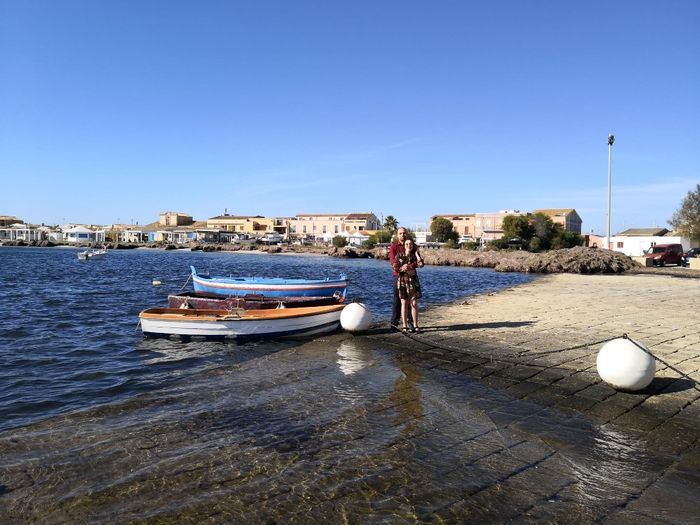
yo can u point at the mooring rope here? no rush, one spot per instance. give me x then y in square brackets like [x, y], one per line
[584, 345]
[187, 281]
[676, 370]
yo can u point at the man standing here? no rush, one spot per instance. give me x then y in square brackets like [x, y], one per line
[397, 248]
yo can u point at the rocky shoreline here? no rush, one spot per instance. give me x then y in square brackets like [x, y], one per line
[572, 260]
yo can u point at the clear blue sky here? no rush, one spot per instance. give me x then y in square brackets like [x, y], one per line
[118, 110]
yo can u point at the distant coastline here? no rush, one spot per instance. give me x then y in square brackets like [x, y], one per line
[571, 260]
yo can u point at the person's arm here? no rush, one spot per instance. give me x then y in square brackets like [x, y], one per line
[392, 254]
[419, 260]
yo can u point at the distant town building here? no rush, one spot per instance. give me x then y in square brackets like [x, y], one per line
[9, 220]
[635, 245]
[174, 218]
[636, 241]
[358, 222]
[321, 225]
[644, 232]
[83, 235]
[567, 218]
[250, 224]
[489, 226]
[23, 232]
[463, 224]
[485, 227]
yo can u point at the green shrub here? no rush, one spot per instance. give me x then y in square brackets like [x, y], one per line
[499, 244]
[339, 241]
[451, 244]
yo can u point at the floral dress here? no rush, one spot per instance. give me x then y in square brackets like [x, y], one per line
[407, 283]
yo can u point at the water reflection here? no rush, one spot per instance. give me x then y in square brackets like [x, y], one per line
[613, 463]
[352, 358]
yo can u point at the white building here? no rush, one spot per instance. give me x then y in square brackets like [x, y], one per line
[22, 232]
[634, 242]
[83, 235]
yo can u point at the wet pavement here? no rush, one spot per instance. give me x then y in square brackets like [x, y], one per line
[494, 414]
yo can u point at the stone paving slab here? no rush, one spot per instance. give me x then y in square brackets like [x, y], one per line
[539, 342]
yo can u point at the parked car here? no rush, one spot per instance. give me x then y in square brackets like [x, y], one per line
[663, 254]
[690, 254]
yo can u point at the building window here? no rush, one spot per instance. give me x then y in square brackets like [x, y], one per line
[335, 229]
[620, 244]
[304, 228]
[324, 228]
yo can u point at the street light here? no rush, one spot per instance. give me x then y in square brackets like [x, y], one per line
[611, 140]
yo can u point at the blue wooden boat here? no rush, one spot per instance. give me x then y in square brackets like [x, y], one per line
[272, 287]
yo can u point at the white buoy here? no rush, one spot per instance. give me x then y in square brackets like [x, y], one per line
[156, 283]
[355, 317]
[624, 365]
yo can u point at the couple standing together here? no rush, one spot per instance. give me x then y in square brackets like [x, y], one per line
[405, 259]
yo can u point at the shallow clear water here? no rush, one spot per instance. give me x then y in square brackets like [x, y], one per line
[337, 430]
[68, 328]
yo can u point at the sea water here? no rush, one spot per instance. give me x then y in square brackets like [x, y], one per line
[68, 328]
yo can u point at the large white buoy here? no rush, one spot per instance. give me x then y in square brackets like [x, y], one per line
[624, 365]
[355, 317]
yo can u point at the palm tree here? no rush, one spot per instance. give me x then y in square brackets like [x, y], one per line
[391, 223]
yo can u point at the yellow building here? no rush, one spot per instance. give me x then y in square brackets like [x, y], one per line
[566, 217]
[174, 218]
[463, 224]
[318, 225]
[482, 227]
[255, 225]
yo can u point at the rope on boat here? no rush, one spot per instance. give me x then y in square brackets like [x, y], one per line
[187, 281]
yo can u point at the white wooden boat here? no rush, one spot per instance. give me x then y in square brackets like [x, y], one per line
[239, 323]
[92, 254]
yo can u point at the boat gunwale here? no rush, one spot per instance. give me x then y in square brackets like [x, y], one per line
[192, 314]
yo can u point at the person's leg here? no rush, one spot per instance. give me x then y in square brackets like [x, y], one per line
[404, 313]
[396, 305]
[414, 312]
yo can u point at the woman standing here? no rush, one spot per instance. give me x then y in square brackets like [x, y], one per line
[407, 283]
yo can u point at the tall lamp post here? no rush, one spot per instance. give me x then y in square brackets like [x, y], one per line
[611, 140]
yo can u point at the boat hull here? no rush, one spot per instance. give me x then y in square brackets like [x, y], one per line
[205, 301]
[235, 324]
[91, 254]
[271, 287]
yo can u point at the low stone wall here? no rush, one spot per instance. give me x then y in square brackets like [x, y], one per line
[572, 260]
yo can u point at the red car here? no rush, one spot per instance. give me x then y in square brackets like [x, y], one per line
[663, 254]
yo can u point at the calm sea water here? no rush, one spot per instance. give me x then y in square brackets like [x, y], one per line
[68, 328]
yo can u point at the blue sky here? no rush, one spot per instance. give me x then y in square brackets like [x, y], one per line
[115, 111]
